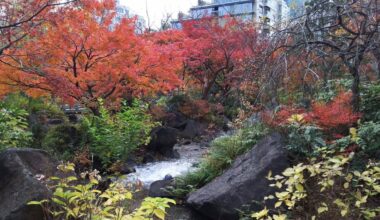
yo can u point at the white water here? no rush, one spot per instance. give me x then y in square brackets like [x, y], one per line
[150, 172]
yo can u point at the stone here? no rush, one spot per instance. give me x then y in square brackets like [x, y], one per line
[127, 168]
[163, 140]
[20, 171]
[157, 188]
[168, 177]
[244, 182]
[191, 129]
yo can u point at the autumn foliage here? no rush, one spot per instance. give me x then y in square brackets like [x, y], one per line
[94, 58]
[336, 115]
[215, 52]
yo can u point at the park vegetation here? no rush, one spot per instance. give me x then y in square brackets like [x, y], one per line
[314, 79]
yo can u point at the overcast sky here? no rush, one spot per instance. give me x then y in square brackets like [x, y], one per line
[158, 8]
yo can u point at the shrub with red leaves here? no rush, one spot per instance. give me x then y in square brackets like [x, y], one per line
[336, 116]
[281, 117]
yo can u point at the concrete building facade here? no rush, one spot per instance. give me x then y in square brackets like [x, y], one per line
[269, 13]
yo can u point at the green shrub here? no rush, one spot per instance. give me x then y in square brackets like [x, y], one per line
[14, 128]
[304, 140]
[38, 110]
[34, 105]
[223, 152]
[113, 137]
[62, 141]
[332, 88]
[369, 137]
[371, 102]
[71, 200]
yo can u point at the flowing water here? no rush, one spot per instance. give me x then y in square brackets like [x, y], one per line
[190, 155]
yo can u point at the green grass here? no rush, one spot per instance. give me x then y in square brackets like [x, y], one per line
[223, 151]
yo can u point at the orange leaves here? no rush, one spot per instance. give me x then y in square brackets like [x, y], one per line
[80, 56]
[335, 116]
[215, 54]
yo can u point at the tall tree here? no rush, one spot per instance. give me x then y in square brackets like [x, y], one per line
[19, 18]
[344, 29]
[91, 59]
[216, 50]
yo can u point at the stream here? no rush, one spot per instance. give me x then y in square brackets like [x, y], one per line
[146, 174]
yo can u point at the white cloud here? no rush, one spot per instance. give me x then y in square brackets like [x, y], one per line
[158, 9]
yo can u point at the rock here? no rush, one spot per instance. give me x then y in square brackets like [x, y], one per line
[19, 170]
[244, 182]
[168, 177]
[73, 118]
[191, 129]
[148, 158]
[127, 168]
[175, 120]
[157, 188]
[180, 212]
[123, 168]
[163, 140]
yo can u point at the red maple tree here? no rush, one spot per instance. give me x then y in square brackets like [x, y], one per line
[81, 56]
[216, 52]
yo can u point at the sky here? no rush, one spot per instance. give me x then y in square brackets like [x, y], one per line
[157, 9]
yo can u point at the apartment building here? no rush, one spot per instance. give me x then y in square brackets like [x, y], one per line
[269, 13]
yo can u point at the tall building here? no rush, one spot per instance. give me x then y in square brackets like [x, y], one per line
[296, 8]
[269, 13]
[123, 12]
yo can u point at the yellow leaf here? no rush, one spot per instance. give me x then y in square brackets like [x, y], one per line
[279, 217]
[159, 213]
[261, 214]
[277, 204]
[346, 185]
[344, 212]
[299, 187]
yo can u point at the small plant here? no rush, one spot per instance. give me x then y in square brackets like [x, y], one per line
[303, 139]
[71, 200]
[14, 128]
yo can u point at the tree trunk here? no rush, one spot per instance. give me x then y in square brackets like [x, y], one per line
[95, 111]
[376, 54]
[355, 89]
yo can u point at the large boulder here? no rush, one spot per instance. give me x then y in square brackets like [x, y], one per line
[19, 183]
[163, 140]
[191, 129]
[243, 183]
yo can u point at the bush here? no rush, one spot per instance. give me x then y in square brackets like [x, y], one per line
[332, 88]
[335, 116]
[14, 128]
[304, 140]
[369, 137]
[113, 137]
[223, 152]
[325, 189]
[38, 111]
[71, 200]
[33, 105]
[371, 102]
[63, 141]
